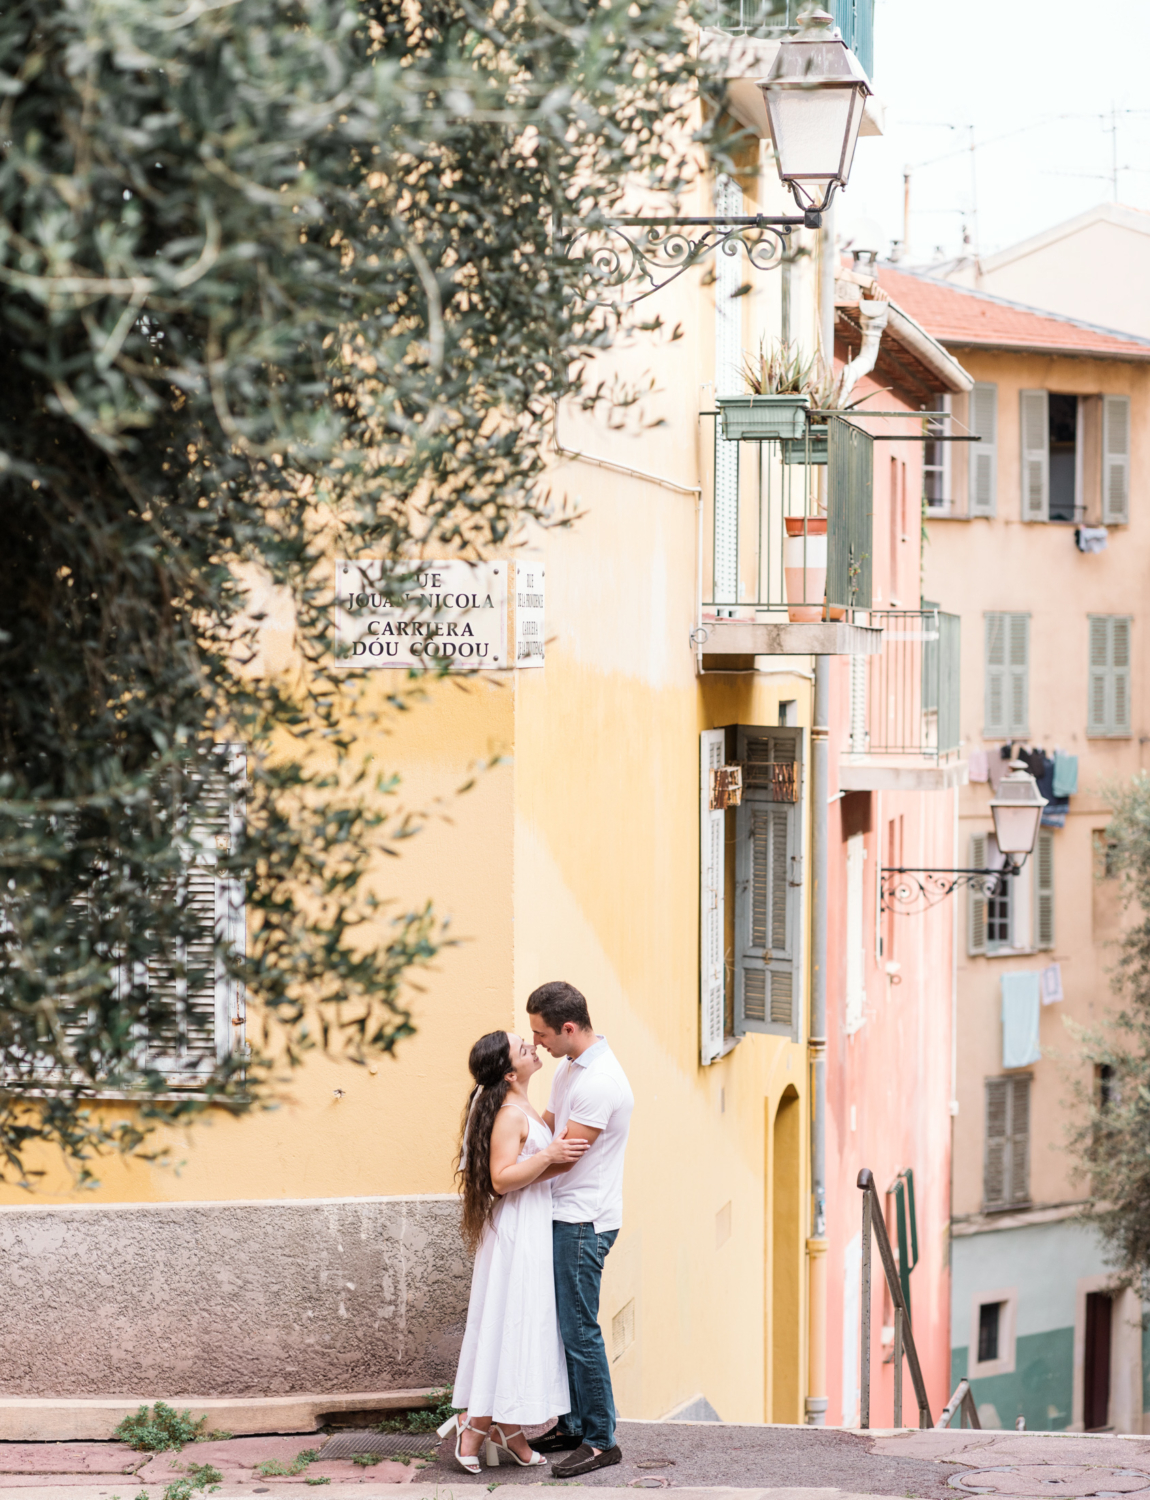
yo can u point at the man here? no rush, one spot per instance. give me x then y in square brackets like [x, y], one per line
[592, 1100]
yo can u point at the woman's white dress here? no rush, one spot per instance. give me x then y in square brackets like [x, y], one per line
[512, 1366]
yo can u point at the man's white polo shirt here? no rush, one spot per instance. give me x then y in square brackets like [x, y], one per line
[592, 1090]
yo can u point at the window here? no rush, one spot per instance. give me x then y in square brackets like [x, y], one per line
[936, 459]
[992, 1333]
[1006, 1162]
[1051, 426]
[1007, 676]
[1017, 914]
[982, 499]
[989, 1318]
[195, 1006]
[1108, 706]
[768, 881]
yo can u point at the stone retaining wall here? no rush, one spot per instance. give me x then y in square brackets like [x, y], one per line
[235, 1299]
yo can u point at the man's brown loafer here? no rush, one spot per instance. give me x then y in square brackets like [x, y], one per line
[585, 1460]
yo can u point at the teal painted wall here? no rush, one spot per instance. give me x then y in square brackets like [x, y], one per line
[1041, 1389]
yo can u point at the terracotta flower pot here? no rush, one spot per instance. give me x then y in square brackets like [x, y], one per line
[805, 566]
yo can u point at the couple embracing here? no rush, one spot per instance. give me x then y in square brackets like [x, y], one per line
[542, 1206]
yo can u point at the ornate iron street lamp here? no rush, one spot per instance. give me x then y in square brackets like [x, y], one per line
[1017, 813]
[815, 94]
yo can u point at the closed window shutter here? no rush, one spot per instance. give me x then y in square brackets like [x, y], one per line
[712, 879]
[1108, 680]
[1099, 675]
[1120, 675]
[1018, 1162]
[1035, 425]
[995, 1159]
[995, 719]
[976, 901]
[1044, 889]
[1115, 460]
[1018, 660]
[767, 883]
[984, 454]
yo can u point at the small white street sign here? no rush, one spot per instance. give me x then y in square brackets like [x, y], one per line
[529, 639]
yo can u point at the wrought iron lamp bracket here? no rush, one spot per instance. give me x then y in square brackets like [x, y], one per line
[659, 250]
[908, 891]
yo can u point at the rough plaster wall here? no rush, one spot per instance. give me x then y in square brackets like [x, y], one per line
[221, 1299]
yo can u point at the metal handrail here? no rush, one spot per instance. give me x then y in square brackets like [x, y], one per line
[963, 1398]
[874, 1223]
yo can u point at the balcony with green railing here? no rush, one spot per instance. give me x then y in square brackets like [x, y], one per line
[786, 535]
[779, 18]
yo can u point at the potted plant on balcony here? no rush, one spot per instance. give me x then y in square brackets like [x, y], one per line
[805, 566]
[780, 383]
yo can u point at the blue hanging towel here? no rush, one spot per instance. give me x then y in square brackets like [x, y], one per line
[1065, 774]
[1021, 1005]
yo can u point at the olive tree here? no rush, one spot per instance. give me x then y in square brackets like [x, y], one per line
[279, 280]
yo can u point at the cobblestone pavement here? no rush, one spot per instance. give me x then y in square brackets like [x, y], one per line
[699, 1460]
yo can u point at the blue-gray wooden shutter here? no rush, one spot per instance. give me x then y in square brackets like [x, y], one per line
[1006, 1162]
[1044, 890]
[768, 884]
[1007, 679]
[1108, 691]
[984, 454]
[712, 920]
[976, 899]
[1035, 445]
[1115, 460]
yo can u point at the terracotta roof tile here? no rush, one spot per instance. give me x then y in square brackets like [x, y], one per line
[965, 319]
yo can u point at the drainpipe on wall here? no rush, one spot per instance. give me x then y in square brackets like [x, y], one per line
[816, 1403]
[873, 313]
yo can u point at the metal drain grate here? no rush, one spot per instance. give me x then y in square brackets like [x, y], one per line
[348, 1444]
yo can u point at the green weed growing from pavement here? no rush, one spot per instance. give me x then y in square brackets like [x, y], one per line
[426, 1419]
[272, 1468]
[159, 1428]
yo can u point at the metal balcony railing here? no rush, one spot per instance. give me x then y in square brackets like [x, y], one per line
[755, 487]
[905, 700]
[773, 18]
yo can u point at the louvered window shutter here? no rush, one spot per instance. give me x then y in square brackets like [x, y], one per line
[1018, 674]
[976, 901]
[200, 1003]
[712, 880]
[1035, 423]
[996, 1155]
[995, 708]
[1018, 1161]
[768, 882]
[1044, 889]
[984, 454]
[1120, 675]
[1115, 460]
[1098, 694]
[1108, 689]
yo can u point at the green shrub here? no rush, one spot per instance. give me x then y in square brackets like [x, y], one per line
[159, 1428]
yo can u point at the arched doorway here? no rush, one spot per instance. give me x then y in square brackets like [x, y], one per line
[786, 1260]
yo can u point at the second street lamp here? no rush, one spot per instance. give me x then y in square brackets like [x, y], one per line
[1017, 813]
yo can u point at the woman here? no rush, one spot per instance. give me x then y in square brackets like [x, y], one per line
[511, 1367]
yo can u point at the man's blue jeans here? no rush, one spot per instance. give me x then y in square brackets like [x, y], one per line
[579, 1257]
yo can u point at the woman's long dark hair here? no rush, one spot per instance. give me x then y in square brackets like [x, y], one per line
[490, 1062]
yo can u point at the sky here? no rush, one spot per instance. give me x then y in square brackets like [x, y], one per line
[1038, 81]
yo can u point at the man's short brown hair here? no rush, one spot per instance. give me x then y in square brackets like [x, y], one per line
[559, 1002]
